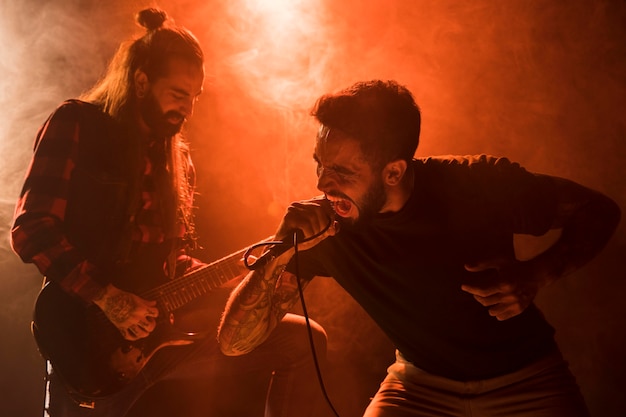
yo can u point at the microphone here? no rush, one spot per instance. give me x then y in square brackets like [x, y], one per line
[276, 249]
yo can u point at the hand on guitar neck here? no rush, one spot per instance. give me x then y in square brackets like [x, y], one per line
[97, 349]
[135, 317]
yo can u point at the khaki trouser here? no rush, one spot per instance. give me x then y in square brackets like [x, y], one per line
[545, 388]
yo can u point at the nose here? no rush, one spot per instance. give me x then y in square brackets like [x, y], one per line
[187, 107]
[324, 179]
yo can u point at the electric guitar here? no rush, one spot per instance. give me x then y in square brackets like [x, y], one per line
[87, 351]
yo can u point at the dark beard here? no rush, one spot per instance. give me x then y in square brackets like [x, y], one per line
[156, 119]
[370, 205]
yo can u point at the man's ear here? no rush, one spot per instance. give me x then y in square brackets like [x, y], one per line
[141, 83]
[394, 172]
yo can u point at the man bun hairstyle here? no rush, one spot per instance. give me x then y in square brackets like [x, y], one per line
[151, 53]
[381, 115]
[151, 19]
[162, 42]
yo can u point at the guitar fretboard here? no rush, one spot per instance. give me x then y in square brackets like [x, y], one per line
[180, 291]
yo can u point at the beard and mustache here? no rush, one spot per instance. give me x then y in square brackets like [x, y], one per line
[369, 205]
[158, 121]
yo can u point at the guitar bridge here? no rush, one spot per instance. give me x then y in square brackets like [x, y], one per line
[87, 404]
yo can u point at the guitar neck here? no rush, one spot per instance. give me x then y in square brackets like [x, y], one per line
[180, 291]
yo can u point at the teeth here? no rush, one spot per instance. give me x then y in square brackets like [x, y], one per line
[338, 204]
[333, 203]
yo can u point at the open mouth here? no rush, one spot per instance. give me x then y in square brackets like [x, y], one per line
[175, 120]
[341, 206]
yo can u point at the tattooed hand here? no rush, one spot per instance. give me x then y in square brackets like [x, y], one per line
[132, 315]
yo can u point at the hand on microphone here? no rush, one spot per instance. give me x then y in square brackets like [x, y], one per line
[311, 221]
[306, 223]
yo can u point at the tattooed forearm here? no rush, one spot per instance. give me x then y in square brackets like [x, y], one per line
[255, 307]
[259, 290]
[119, 307]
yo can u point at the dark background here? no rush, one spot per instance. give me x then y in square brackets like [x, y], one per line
[542, 82]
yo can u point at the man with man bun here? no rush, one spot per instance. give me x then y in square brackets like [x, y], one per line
[105, 214]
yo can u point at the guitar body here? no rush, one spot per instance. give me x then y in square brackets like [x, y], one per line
[87, 351]
[89, 354]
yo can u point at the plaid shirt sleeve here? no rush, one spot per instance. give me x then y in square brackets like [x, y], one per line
[38, 235]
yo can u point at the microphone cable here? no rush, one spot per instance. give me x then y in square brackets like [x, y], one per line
[277, 248]
[308, 323]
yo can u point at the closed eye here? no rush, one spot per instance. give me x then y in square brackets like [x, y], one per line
[342, 172]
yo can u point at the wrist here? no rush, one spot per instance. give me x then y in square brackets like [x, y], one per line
[540, 272]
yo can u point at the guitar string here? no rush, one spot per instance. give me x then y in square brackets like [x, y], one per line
[204, 275]
[181, 290]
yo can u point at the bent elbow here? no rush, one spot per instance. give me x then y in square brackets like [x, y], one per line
[231, 352]
[233, 342]
[229, 349]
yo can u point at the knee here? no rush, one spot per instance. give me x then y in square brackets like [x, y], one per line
[295, 336]
[319, 337]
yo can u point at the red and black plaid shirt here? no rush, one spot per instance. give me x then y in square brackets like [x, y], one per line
[38, 234]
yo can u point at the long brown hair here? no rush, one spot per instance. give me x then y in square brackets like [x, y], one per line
[115, 95]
